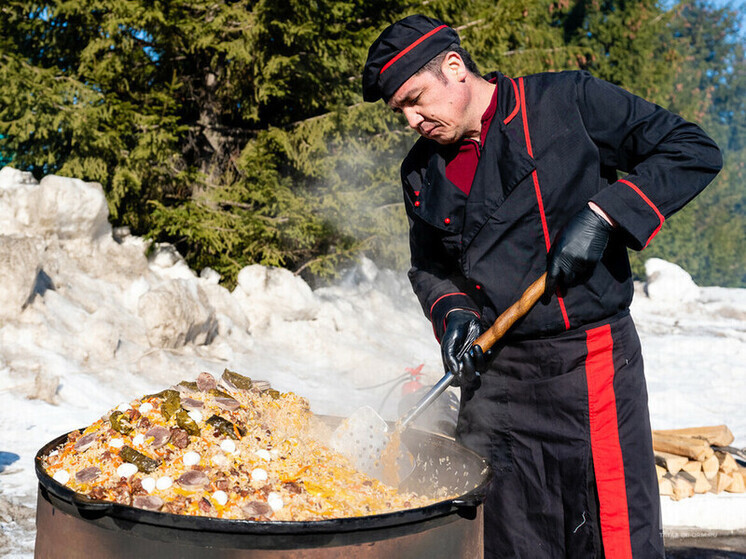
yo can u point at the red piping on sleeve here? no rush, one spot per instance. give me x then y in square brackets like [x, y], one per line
[647, 200]
[444, 318]
[438, 301]
[537, 189]
[606, 449]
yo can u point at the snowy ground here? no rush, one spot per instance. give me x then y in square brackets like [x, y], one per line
[87, 321]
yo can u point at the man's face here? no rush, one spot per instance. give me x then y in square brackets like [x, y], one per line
[434, 106]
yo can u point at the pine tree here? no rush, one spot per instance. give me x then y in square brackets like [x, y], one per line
[708, 237]
[236, 128]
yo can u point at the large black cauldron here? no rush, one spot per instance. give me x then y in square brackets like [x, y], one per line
[71, 526]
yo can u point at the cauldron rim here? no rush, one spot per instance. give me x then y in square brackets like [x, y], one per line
[73, 503]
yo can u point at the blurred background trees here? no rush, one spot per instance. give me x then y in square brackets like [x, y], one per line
[236, 130]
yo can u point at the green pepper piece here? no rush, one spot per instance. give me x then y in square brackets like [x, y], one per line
[187, 423]
[191, 385]
[162, 394]
[120, 423]
[144, 463]
[220, 394]
[273, 393]
[171, 404]
[239, 381]
[226, 427]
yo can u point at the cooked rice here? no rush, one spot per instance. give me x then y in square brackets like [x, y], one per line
[266, 464]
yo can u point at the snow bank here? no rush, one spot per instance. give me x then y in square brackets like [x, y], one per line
[88, 321]
[67, 208]
[667, 283]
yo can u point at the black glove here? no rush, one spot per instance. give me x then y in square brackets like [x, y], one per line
[462, 328]
[576, 251]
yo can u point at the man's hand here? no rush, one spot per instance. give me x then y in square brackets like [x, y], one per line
[576, 251]
[462, 328]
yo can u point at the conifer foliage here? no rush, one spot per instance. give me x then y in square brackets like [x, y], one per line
[236, 129]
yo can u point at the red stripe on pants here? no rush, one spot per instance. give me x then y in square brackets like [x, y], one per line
[605, 447]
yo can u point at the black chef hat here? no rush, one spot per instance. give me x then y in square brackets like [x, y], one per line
[400, 51]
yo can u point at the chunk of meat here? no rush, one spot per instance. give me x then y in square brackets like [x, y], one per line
[228, 404]
[161, 435]
[121, 492]
[148, 502]
[222, 483]
[192, 404]
[87, 475]
[97, 493]
[193, 480]
[256, 509]
[206, 382]
[85, 442]
[204, 505]
[178, 505]
[179, 437]
[293, 487]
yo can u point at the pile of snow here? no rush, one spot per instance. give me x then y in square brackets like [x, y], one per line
[88, 321]
[668, 284]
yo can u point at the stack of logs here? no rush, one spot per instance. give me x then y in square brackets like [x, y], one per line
[687, 464]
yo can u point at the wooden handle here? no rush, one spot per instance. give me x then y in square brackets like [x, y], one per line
[512, 313]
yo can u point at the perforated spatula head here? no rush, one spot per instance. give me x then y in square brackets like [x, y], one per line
[364, 437]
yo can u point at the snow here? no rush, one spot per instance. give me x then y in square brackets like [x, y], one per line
[87, 321]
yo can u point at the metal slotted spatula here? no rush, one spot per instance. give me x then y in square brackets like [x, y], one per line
[374, 447]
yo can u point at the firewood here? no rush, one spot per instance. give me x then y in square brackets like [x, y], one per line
[722, 481]
[692, 467]
[710, 467]
[665, 487]
[737, 485]
[672, 462]
[696, 449]
[728, 464]
[683, 486]
[702, 485]
[718, 435]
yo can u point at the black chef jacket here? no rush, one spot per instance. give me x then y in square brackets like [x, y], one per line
[556, 141]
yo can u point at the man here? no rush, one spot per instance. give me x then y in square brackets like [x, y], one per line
[513, 177]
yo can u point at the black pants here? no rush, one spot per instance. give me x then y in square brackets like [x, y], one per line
[564, 423]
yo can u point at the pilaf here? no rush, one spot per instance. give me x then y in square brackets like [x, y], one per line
[233, 449]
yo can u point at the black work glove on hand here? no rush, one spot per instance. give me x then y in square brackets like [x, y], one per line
[462, 328]
[576, 251]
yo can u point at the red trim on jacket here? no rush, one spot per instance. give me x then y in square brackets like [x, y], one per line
[517, 103]
[537, 189]
[438, 301]
[647, 200]
[605, 446]
[410, 47]
[446, 315]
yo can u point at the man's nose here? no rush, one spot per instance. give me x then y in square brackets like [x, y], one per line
[413, 117]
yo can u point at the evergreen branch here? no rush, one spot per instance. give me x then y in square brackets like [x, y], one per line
[469, 24]
[307, 264]
[392, 205]
[526, 51]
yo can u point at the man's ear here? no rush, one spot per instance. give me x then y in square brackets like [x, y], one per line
[453, 67]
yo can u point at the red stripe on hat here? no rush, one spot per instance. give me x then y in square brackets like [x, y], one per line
[410, 47]
[605, 446]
